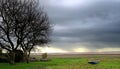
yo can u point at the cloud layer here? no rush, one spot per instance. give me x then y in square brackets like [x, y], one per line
[91, 24]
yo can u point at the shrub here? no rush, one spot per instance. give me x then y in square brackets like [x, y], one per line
[44, 55]
[0, 50]
[19, 56]
[3, 57]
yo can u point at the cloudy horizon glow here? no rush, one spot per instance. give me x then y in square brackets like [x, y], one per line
[84, 25]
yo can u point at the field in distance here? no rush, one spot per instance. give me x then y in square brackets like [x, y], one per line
[69, 61]
[78, 54]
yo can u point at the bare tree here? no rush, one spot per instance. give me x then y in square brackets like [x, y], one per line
[23, 24]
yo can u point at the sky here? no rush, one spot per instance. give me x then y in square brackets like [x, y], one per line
[83, 25]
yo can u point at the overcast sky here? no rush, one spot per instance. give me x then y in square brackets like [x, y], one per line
[84, 25]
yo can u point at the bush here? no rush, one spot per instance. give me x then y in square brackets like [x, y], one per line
[3, 57]
[0, 51]
[19, 56]
[44, 55]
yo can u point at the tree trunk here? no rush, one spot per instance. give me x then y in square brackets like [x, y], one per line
[26, 57]
[12, 57]
[0, 50]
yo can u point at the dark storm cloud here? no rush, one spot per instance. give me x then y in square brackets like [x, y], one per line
[96, 25]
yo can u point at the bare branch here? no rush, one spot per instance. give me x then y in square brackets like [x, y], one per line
[24, 24]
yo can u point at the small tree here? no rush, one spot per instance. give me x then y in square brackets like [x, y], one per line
[23, 24]
[44, 56]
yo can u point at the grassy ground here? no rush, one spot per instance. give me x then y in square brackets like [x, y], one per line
[106, 62]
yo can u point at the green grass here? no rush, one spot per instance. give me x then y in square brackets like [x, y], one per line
[68, 63]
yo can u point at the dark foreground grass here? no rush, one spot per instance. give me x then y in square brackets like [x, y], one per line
[68, 63]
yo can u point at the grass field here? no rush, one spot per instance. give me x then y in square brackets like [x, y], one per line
[73, 62]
